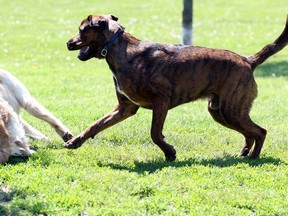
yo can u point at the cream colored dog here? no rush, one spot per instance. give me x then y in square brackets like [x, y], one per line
[13, 129]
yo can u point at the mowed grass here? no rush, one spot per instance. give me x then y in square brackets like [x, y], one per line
[121, 171]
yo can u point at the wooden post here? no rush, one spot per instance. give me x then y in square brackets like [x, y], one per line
[187, 27]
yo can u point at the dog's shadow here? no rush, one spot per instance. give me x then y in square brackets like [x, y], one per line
[225, 161]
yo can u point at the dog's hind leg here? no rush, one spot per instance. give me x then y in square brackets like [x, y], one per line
[242, 123]
[255, 131]
[159, 114]
[217, 114]
[214, 110]
[249, 141]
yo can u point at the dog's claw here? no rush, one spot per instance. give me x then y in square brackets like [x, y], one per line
[74, 143]
[67, 136]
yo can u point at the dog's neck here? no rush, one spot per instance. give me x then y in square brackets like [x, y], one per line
[119, 51]
[112, 39]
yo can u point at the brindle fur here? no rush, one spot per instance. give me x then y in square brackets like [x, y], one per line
[162, 76]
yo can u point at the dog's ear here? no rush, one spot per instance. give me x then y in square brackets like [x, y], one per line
[103, 23]
[90, 21]
[114, 17]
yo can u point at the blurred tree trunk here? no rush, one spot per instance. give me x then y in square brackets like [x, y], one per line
[187, 21]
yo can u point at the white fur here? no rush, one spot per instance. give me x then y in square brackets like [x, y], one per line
[14, 96]
[16, 143]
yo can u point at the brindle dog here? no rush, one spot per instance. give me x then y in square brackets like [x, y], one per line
[162, 76]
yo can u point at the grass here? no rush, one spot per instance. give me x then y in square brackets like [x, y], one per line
[121, 172]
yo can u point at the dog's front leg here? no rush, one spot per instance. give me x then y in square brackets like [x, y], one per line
[32, 132]
[160, 111]
[119, 113]
[32, 106]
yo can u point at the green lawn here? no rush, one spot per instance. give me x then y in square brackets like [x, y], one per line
[121, 171]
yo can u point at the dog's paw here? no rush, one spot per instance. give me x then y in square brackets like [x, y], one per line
[67, 136]
[170, 157]
[171, 154]
[74, 143]
[244, 152]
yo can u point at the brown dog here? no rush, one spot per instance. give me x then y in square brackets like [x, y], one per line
[162, 76]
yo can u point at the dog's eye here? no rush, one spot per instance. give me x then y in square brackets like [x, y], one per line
[87, 28]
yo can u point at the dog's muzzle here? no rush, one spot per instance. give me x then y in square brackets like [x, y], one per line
[71, 46]
[76, 44]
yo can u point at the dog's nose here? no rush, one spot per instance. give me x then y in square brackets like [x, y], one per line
[69, 45]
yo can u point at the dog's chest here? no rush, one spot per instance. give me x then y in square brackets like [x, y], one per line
[132, 91]
[121, 90]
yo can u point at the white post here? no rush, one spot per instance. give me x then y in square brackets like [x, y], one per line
[187, 27]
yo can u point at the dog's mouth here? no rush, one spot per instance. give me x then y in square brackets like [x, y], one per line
[77, 44]
[85, 53]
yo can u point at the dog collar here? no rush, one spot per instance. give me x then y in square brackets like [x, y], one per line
[104, 51]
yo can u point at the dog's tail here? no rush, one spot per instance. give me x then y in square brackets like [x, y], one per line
[270, 49]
